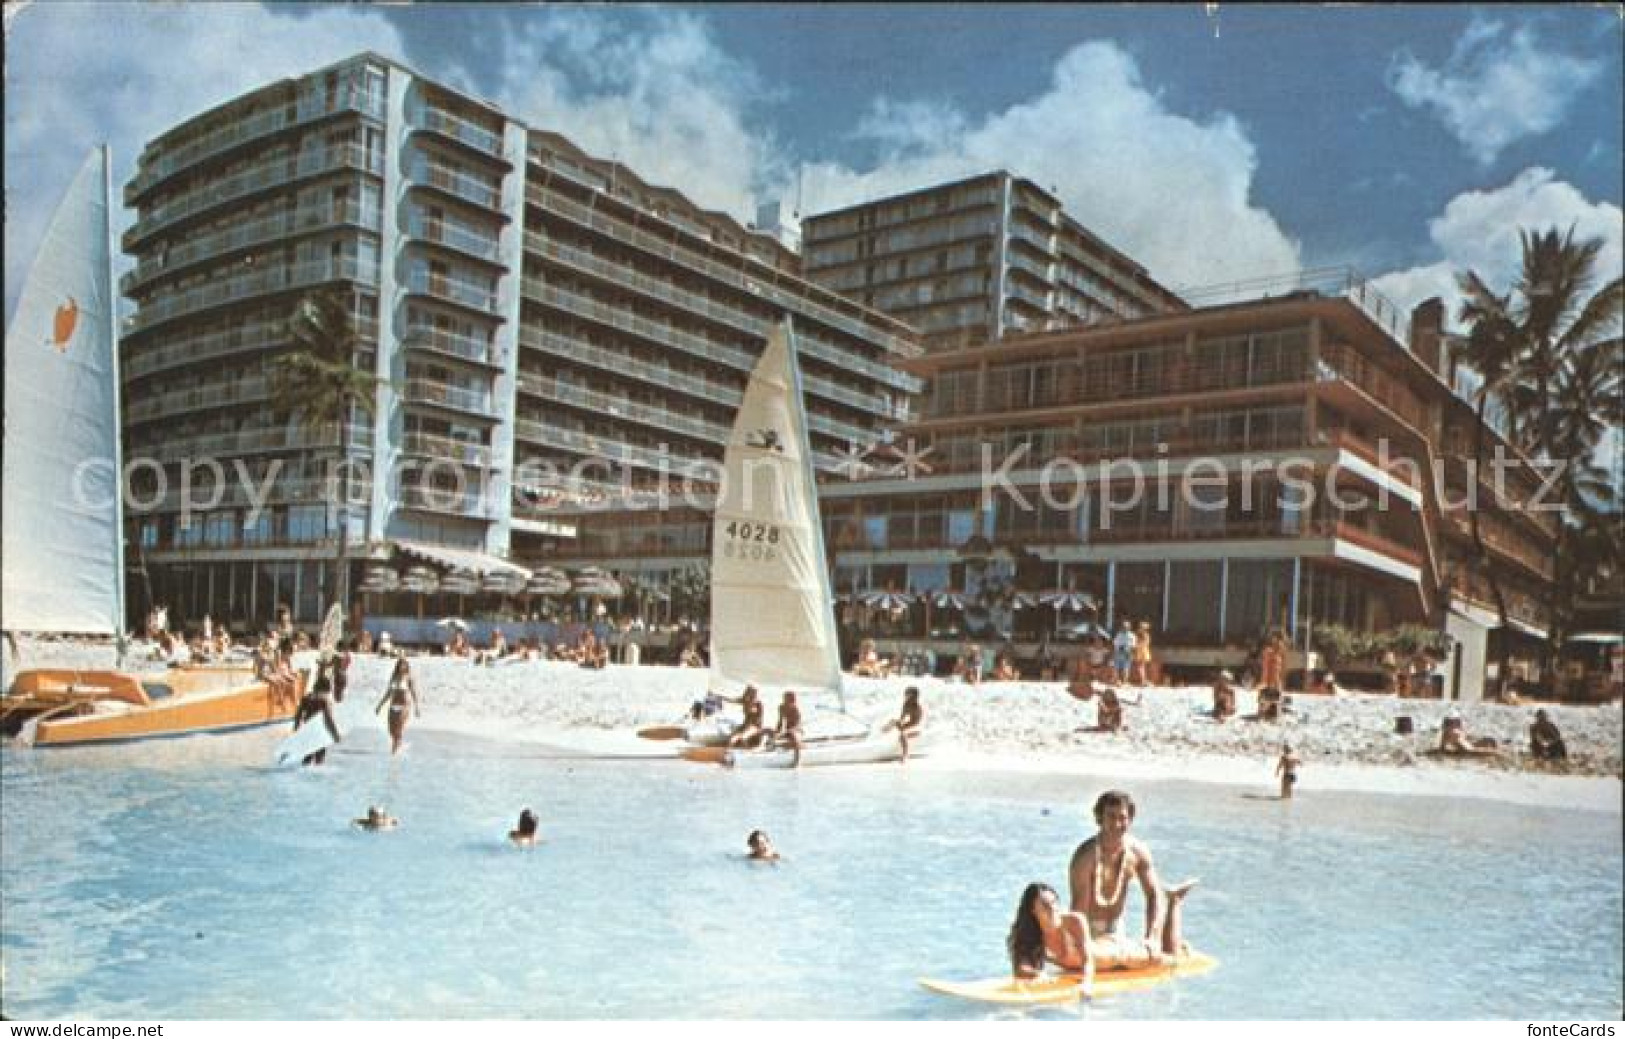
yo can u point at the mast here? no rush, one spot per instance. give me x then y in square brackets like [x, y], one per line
[118, 415]
[799, 410]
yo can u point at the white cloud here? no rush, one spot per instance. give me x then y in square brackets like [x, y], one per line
[77, 74]
[661, 97]
[1497, 87]
[1171, 192]
[658, 96]
[1478, 231]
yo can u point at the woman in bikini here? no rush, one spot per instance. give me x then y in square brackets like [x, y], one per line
[1045, 933]
[401, 695]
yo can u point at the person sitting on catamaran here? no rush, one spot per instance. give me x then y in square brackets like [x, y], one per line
[909, 721]
[788, 731]
[751, 732]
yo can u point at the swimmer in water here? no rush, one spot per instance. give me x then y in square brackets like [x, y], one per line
[376, 819]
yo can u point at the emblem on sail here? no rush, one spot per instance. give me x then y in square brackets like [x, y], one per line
[67, 319]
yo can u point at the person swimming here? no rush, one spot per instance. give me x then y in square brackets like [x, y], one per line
[524, 833]
[376, 819]
[761, 847]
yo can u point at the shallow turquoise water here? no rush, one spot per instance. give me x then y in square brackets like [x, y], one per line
[188, 880]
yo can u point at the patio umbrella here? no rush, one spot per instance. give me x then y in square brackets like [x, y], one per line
[381, 579]
[1022, 600]
[950, 600]
[594, 581]
[503, 582]
[460, 582]
[1067, 599]
[421, 579]
[892, 602]
[1087, 629]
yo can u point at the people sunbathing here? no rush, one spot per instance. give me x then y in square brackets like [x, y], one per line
[1453, 740]
[1005, 670]
[1224, 697]
[1545, 741]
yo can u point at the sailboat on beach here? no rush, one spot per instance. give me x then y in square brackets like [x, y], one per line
[63, 556]
[772, 611]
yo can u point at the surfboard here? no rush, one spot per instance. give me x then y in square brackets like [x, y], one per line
[1063, 988]
[350, 716]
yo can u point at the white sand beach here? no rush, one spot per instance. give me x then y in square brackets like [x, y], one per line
[1347, 743]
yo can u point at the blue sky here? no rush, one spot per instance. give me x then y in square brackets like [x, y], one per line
[1406, 142]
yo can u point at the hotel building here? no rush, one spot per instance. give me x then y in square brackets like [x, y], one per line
[551, 330]
[1325, 448]
[975, 260]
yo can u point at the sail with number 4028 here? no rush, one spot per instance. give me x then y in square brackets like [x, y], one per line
[63, 543]
[772, 614]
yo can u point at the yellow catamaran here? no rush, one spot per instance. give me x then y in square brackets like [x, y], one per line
[63, 563]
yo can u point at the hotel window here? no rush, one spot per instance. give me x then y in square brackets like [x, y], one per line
[307, 523]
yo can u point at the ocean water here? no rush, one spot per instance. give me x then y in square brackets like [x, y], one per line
[187, 879]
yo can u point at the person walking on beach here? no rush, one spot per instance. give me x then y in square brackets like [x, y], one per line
[1123, 652]
[1099, 875]
[402, 695]
[909, 721]
[1140, 674]
[1287, 769]
[1271, 663]
[788, 731]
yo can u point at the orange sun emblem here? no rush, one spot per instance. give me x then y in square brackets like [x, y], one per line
[67, 319]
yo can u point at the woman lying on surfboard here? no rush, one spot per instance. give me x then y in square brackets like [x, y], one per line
[1044, 933]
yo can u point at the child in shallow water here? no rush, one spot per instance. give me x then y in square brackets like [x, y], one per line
[524, 834]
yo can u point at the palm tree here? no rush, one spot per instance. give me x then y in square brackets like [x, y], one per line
[1549, 356]
[318, 382]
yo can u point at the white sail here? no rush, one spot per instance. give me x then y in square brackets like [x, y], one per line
[772, 615]
[63, 548]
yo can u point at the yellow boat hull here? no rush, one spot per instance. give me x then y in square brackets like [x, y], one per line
[86, 707]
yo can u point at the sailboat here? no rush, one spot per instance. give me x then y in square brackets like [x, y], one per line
[772, 611]
[63, 548]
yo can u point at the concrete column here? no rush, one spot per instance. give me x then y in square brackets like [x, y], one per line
[1224, 594]
[1111, 595]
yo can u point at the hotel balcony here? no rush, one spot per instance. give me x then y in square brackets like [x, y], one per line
[731, 274]
[462, 399]
[611, 449]
[429, 445]
[455, 290]
[461, 186]
[450, 344]
[447, 501]
[464, 131]
[577, 350]
[233, 291]
[280, 172]
[458, 239]
[218, 394]
[174, 159]
[239, 494]
[623, 408]
[247, 339]
[180, 446]
[301, 221]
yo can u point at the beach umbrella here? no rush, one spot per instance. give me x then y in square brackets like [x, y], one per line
[380, 579]
[460, 582]
[950, 600]
[1087, 629]
[1022, 600]
[888, 600]
[452, 622]
[421, 579]
[503, 582]
[594, 581]
[1067, 599]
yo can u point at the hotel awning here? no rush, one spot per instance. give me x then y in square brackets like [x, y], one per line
[479, 563]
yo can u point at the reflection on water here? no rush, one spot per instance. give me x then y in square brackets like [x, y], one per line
[187, 880]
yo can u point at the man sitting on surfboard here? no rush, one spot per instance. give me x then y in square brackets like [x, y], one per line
[1099, 876]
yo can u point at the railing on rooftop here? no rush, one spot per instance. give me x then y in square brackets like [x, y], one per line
[1330, 282]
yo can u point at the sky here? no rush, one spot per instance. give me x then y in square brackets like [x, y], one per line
[1210, 142]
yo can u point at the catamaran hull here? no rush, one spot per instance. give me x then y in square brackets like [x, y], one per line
[108, 708]
[864, 750]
